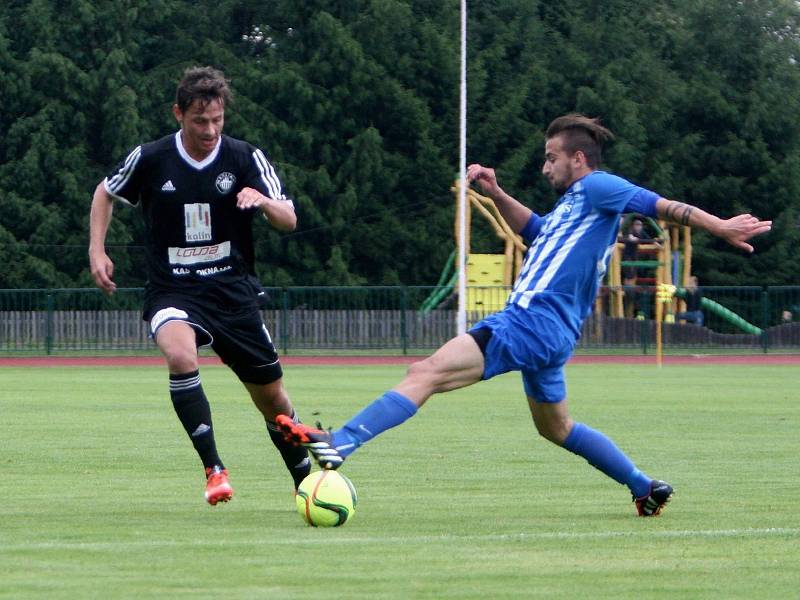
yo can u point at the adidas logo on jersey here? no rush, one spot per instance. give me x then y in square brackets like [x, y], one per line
[168, 187]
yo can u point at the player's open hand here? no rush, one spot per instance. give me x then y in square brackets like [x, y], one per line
[102, 268]
[737, 230]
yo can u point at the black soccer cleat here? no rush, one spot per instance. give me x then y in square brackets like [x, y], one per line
[652, 504]
[317, 441]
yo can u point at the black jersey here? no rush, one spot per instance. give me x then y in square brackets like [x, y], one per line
[197, 238]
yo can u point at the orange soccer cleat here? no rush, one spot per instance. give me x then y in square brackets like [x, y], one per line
[217, 487]
[317, 441]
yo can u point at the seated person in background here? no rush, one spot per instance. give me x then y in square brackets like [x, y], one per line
[636, 235]
[631, 250]
[693, 312]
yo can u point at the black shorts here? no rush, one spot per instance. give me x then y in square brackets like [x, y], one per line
[240, 339]
[482, 335]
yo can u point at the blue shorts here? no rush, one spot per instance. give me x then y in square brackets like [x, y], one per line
[532, 341]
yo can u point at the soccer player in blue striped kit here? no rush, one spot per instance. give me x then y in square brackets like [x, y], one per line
[537, 330]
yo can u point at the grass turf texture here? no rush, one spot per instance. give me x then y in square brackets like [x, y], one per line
[103, 493]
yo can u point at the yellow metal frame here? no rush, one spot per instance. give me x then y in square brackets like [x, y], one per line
[514, 249]
[676, 238]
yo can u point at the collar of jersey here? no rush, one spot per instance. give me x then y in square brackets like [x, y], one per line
[196, 164]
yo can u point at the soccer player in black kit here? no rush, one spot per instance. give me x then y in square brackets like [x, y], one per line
[199, 191]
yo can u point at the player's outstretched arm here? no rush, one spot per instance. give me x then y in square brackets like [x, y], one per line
[736, 230]
[102, 267]
[514, 212]
[279, 213]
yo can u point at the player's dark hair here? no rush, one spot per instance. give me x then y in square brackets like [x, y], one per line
[583, 133]
[205, 84]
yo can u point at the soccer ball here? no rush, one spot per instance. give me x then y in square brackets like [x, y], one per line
[326, 499]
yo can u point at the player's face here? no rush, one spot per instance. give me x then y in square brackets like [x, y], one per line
[558, 165]
[201, 126]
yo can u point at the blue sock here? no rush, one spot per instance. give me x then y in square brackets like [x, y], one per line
[386, 412]
[603, 454]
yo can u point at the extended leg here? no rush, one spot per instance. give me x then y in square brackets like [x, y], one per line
[457, 364]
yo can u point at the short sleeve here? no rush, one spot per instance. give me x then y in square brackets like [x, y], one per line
[531, 229]
[643, 202]
[262, 176]
[612, 194]
[123, 183]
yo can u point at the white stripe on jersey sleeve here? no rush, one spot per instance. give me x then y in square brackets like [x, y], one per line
[268, 176]
[121, 178]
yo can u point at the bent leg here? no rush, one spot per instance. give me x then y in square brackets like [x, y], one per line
[272, 400]
[178, 343]
[553, 422]
[457, 364]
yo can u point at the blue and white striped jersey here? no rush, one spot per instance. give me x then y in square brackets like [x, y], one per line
[567, 259]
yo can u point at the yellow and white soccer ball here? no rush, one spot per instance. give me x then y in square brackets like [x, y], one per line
[326, 499]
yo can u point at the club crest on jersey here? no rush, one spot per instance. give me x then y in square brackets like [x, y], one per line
[225, 181]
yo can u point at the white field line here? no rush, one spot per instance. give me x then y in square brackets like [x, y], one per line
[334, 539]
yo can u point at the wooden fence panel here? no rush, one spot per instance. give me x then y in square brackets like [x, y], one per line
[324, 330]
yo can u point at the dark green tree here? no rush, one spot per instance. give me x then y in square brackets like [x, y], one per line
[356, 105]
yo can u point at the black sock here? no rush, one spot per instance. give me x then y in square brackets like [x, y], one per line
[295, 457]
[193, 410]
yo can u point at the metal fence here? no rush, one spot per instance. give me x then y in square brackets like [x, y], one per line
[389, 319]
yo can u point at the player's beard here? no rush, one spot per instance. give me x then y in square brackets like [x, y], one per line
[562, 185]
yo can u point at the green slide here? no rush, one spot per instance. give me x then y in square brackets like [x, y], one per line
[726, 313]
[443, 287]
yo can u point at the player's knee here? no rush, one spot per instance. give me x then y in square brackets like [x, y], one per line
[553, 435]
[416, 370]
[554, 430]
[181, 360]
[424, 371]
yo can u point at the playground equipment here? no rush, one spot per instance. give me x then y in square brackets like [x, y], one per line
[671, 264]
[666, 256]
[710, 306]
[666, 295]
[672, 267]
[488, 276]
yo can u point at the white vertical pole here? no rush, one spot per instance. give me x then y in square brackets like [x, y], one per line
[461, 317]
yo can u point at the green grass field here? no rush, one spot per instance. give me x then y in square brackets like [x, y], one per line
[102, 493]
